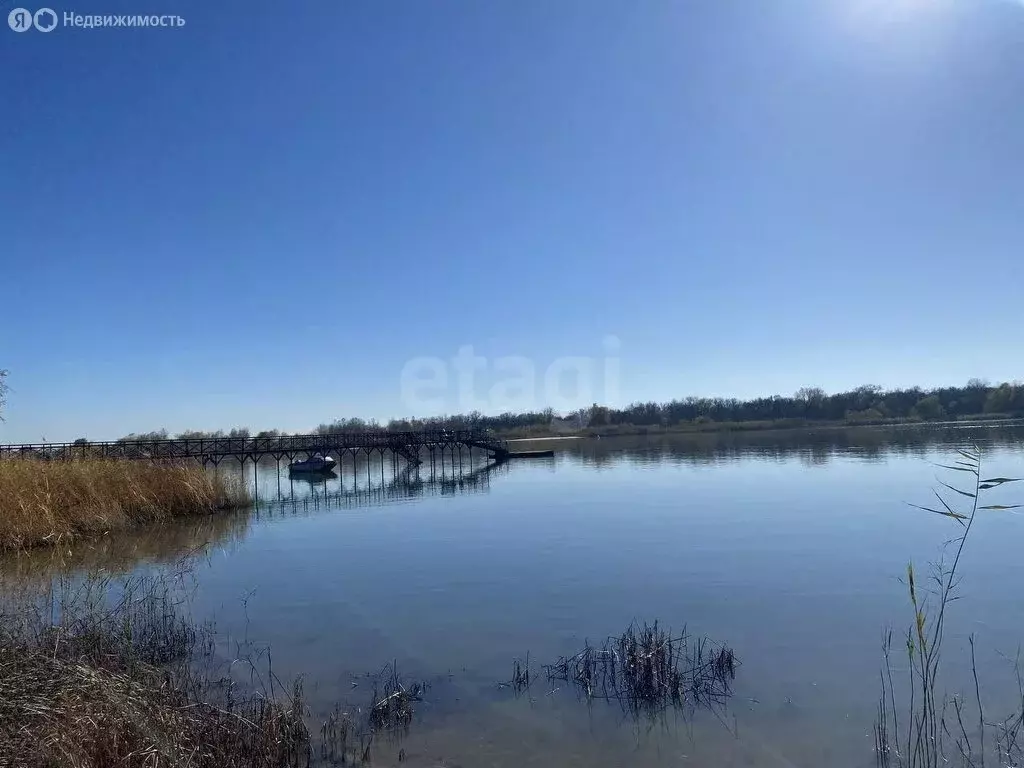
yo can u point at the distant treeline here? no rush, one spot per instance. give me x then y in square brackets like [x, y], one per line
[865, 404]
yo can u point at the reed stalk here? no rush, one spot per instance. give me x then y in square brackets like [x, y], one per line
[926, 737]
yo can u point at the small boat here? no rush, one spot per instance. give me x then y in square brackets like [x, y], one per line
[313, 464]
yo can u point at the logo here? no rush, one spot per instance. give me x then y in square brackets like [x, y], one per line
[22, 20]
[45, 19]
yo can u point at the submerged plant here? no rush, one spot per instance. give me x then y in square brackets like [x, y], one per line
[648, 670]
[393, 697]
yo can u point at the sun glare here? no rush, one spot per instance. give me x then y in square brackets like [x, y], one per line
[901, 22]
[895, 11]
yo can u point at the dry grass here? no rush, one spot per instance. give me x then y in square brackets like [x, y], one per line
[46, 502]
[89, 682]
[64, 712]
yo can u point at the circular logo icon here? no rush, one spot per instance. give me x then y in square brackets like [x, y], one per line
[20, 20]
[45, 20]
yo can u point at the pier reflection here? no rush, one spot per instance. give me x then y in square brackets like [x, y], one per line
[288, 493]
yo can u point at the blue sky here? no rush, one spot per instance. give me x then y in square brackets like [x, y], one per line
[261, 217]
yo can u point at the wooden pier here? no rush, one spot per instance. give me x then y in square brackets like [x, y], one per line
[213, 450]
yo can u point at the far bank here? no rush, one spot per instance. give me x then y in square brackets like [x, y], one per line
[542, 432]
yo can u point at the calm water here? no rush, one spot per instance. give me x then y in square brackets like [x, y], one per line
[786, 546]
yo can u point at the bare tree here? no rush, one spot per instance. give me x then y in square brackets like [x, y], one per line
[3, 392]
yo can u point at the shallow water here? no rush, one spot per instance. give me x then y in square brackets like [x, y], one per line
[786, 546]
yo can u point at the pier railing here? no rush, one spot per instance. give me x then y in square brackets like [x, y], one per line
[406, 444]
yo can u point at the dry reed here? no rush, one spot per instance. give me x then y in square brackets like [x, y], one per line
[47, 502]
[89, 679]
[648, 670]
[347, 736]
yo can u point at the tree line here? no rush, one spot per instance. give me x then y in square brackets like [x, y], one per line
[864, 404]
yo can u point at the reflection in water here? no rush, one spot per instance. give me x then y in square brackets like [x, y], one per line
[813, 447]
[369, 477]
[329, 489]
[122, 551]
[313, 478]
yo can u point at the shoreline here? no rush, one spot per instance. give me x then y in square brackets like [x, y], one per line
[632, 430]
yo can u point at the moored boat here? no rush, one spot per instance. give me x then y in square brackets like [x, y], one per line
[313, 464]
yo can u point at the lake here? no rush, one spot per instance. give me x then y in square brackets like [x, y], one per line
[786, 546]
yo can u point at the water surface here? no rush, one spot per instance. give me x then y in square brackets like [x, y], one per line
[787, 546]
